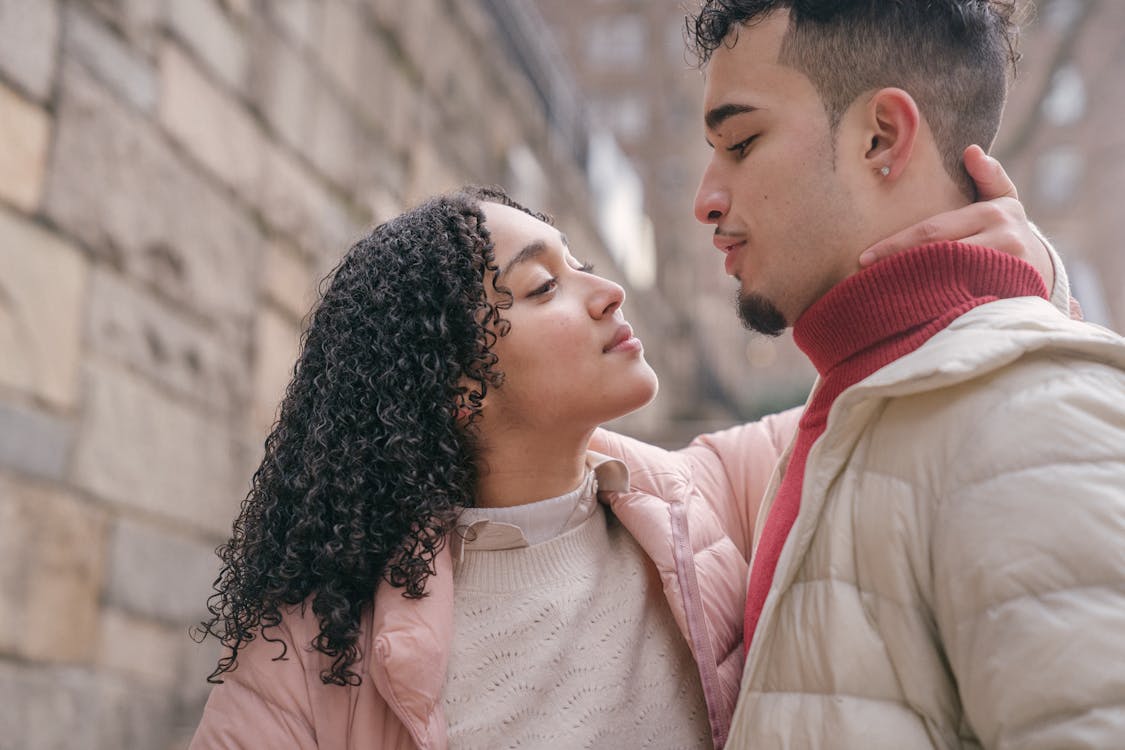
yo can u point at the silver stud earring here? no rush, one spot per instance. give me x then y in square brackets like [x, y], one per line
[885, 171]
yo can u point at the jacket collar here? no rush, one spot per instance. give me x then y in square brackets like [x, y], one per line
[403, 630]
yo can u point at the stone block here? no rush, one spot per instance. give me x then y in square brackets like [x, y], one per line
[289, 281]
[204, 361]
[387, 13]
[197, 661]
[139, 22]
[140, 448]
[131, 714]
[25, 132]
[336, 141]
[283, 86]
[402, 110]
[296, 205]
[64, 708]
[298, 20]
[215, 37]
[29, 44]
[139, 648]
[343, 35]
[46, 708]
[116, 183]
[53, 550]
[276, 347]
[109, 57]
[158, 574]
[429, 173]
[33, 442]
[212, 125]
[377, 65]
[39, 332]
[415, 25]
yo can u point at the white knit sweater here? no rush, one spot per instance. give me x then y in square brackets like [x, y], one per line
[566, 643]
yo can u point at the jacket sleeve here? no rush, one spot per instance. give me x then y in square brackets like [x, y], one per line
[730, 468]
[1028, 555]
[733, 467]
[262, 703]
[1059, 294]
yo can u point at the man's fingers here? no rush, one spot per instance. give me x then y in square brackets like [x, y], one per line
[990, 178]
[951, 225]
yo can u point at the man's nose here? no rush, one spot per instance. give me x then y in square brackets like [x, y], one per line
[712, 201]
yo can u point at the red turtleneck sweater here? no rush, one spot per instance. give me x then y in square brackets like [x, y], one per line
[862, 324]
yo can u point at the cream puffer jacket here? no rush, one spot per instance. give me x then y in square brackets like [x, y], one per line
[956, 575]
[697, 534]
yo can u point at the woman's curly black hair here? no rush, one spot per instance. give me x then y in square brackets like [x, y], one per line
[373, 450]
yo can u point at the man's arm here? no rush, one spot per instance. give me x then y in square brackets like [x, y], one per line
[1028, 563]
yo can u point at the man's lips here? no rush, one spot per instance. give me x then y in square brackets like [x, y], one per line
[623, 340]
[730, 246]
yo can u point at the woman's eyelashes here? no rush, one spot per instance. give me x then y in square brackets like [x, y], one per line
[552, 283]
[739, 149]
[545, 288]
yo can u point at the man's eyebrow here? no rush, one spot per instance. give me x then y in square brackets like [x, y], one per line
[717, 116]
[530, 252]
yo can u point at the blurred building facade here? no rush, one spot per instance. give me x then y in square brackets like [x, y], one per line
[1063, 142]
[175, 177]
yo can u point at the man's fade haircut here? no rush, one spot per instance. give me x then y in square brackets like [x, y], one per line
[952, 56]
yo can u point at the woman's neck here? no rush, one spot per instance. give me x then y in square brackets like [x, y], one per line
[517, 468]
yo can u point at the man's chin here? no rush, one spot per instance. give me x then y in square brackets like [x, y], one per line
[759, 314]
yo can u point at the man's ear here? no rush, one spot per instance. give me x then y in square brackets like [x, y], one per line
[892, 121]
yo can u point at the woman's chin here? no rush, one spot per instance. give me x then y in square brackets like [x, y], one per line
[641, 395]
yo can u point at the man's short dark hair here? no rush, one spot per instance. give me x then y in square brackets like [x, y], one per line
[952, 56]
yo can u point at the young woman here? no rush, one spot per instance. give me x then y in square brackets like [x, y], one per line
[423, 560]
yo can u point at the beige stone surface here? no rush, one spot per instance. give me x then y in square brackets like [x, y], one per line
[117, 183]
[25, 132]
[344, 35]
[202, 360]
[297, 205]
[276, 344]
[140, 448]
[290, 283]
[89, 40]
[42, 292]
[282, 84]
[138, 647]
[216, 37]
[52, 548]
[28, 41]
[214, 126]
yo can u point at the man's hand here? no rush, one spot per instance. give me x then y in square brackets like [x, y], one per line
[996, 221]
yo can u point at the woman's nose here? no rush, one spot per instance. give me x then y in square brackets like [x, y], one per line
[608, 297]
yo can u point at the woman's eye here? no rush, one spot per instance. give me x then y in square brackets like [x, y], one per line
[741, 147]
[547, 286]
[586, 268]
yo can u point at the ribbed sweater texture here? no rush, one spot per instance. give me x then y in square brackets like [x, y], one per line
[861, 325]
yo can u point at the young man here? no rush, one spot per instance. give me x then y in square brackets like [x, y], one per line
[941, 558]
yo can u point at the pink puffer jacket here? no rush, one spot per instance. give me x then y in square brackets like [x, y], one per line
[691, 511]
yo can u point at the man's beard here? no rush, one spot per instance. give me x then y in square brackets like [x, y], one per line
[759, 314]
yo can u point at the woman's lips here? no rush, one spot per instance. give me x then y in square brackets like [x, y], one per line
[623, 340]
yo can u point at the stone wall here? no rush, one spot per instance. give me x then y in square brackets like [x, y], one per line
[174, 179]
